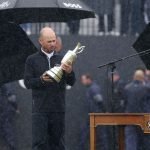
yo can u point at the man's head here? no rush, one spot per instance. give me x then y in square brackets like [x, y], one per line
[139, 75]
[86, 79]
[47, 39]
[116, 76]
[58, 44]
[142, 69]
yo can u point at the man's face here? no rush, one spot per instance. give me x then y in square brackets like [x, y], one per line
[116, 77]
[85, 81]
[147, 75]
[139, 75]
[48, 43]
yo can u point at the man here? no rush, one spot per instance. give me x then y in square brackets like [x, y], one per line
[95, 103]
[147, 77]
[105, 9]
[93, 94]
[8, 110]
[147, 11]
[59, 45]
[132, 14]
[118, 93]
[48, 96]
[136, 93]
[117, 103]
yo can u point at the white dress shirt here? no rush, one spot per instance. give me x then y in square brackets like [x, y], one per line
[49, 55]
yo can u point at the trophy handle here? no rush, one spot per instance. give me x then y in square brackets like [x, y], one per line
[80, 50]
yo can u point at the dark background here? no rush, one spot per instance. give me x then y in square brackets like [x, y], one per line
[98, 50]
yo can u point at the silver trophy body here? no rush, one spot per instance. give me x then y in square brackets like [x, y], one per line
[56, 72]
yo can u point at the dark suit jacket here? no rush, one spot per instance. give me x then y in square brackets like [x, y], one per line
[47, 97]
[136, 95]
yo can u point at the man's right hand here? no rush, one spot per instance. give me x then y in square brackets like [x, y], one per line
[46, 78]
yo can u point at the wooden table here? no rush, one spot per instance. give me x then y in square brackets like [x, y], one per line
[117, 119]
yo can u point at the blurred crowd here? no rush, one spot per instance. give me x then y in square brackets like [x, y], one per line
[114, 17]
[130, 16]
[133, 97]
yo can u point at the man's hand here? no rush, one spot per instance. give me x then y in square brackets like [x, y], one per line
[46, 78]
[67, 68]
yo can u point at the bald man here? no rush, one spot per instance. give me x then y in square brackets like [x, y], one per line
[136, 94]
[48, 96]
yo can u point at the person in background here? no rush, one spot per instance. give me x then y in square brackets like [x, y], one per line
[147, 77]
[93, 94]
[59, 45]
[95, 102]
[132, 15]
[105, 11]
[117, 104]
[74, 26]
[8, 110]
[135, 94]
[144, 72]
[147, 11]
[118, 93]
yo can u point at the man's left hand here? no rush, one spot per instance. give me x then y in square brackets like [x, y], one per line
[67, 68]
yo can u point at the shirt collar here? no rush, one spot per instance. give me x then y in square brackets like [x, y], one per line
[49, 55]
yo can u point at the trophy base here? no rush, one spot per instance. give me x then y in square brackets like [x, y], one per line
[55, 73]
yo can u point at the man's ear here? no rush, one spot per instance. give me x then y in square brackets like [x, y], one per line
[40, 41]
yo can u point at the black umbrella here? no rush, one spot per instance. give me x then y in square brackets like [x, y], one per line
[14, 49]
[14, 44]
[24, 11]
[143, 44]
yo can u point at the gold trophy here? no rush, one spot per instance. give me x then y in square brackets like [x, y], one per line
[56, 72]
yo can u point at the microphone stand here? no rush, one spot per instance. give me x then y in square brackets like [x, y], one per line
[124, 58]
[112, 65]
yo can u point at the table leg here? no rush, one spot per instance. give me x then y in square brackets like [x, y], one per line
[121, 138]
[92, 134]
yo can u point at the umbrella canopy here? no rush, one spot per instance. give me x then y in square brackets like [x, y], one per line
[24, 11]
[142, 44]
[14, 49]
